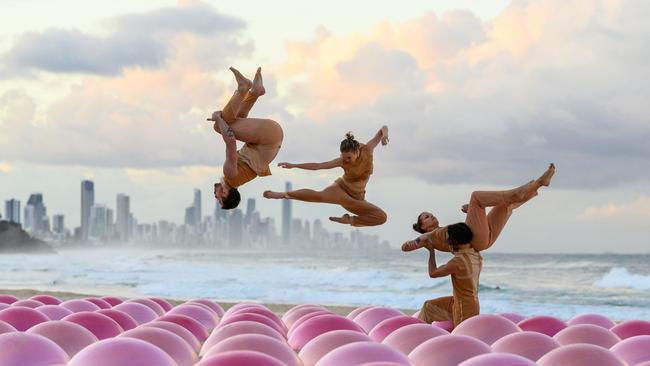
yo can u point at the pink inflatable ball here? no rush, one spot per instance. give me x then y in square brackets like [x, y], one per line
[188, 323]
[4, 306]
[486, 327]
[122, 351]
[211, 304]
[631, 328]
[6, 327]
[321, 345]
[46, 299]
[296, 313]
[633, 350]
[261, 311]
[531, 345]
[595, 319]
[32, 304]
[543, 324]
[242, 305]
[140, 313]
[150, 304]
[53, 312]
[405, 339]
[318, 325]
[112, 300]
[386, 327]
[356, 353]
[76, 305]
[169, 342]
[100, 325]
[306, 317]
[513, 317]
[252, 317]
[22, 318]
[241, 358]
[647, 363]
[26, 349]
[498, 359]
[8, 299]
[586, 333]
[580, 355]
[71, 337]
[353, 314]
[447, 325]
[123, 319]
[207, 318]
[166, 305]
[381, 363]
[102, 304]
[447, 350]
[234, 329]
[187, 336]
[371, 317]
[256, 342]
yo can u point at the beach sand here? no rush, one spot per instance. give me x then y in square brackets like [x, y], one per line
[279, 309]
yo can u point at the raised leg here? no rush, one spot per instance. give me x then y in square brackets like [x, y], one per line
[332, 194]
[230, 112]
[366, 213]
[486, 228]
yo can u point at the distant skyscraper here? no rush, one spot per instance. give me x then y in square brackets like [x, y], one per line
[98, 221]
[190, 215]
[250, 208]
[197, 208]
[122, 216]
[236, 229]
[219, 213]
[286, 217]
[58, 224]
[35, 213]
[12, 210]
[87, 201]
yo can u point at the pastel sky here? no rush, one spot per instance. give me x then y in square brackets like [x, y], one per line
[477, 95]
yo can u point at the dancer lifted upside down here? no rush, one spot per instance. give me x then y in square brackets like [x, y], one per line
[262, 140]
[349, 191]
[465, 240]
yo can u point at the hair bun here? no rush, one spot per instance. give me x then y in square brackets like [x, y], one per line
[349, 135]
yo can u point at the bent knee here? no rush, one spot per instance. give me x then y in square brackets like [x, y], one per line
[381, 217]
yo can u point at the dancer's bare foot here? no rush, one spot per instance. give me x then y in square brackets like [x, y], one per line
[545, 179]
[275, 195]
[345, 219]
[258, 84]
[243, 84]
[465, 208]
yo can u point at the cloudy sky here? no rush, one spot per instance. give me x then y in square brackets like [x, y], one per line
[477, 95]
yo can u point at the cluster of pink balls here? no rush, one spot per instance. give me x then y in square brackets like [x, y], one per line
[108, 331]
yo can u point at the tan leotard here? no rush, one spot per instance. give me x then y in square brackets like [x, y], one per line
[356, 175]
[249, 166]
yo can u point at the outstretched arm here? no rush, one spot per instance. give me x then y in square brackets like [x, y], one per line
[230, 165]
[420, 242]
[313, 166]
[442, 271]
[380, 136]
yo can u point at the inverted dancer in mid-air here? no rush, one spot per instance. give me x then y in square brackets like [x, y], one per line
[465, 240]
[349, 191]
[262, 140]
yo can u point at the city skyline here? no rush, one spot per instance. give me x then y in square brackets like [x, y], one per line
[106, 225]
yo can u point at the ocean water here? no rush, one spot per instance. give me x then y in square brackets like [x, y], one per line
[529, 284]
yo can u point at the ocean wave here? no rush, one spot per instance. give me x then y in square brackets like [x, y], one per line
[620, 277]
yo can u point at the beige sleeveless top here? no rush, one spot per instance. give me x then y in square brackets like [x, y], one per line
[249, 166]
[356, 175]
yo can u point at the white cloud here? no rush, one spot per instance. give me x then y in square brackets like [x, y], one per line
[638, 209]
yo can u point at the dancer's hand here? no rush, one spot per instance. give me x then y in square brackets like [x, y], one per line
[286, 165]
[465, 208]
[384, 135]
